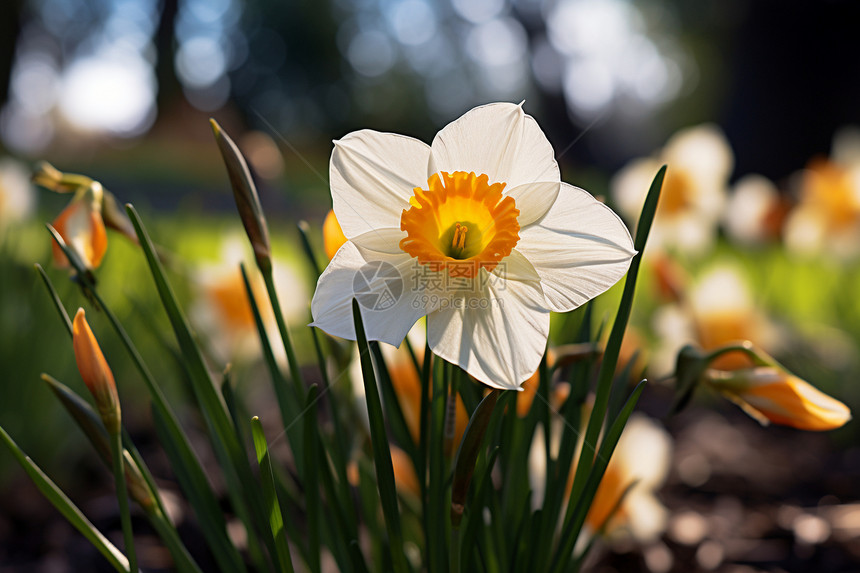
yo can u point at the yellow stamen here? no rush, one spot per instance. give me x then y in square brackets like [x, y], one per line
[462, 222]
[459, 241]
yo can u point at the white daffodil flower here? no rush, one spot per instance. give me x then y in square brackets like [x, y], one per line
[476, 231]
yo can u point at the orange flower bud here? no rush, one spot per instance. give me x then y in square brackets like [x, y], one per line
[770, 394]
[96, 373]
[82, 228]
[333, 236]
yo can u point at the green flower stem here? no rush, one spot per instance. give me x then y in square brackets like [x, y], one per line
[455, 550]
[759, 358]
[282, 556]
[185, 563]
[288, 403]
[55, 298]
[184, 459]
[381, 449]
[295, 371]
[423, 443]
[122, 496]
[92, 426]
[613, 346]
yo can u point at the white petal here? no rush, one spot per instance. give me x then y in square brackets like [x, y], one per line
[516, 267]
[380, 241]
[372, 177]
[534, 200]
[391, 300]
[499, 140]
[498, 337]
[579, 249]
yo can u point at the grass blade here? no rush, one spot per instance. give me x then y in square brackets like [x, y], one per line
[381, 452]
[390, 403]
[65, 506]
[58, 304]
[209, 515]
[312, 492]
[304, 232]
[613, 346]
[573, 527]
[276, 520]
[118, 467]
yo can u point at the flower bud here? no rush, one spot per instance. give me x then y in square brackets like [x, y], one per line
[82, 228]
[96, 373]
[247, 200]
[771, 394]
[115, 218]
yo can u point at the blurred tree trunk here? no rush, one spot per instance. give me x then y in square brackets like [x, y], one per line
[10, 28]
[169, 87]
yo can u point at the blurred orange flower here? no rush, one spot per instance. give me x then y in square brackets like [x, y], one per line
[222, 310]
[827, 219]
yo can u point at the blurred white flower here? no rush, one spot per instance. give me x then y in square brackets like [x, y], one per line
[755, 212]
[17, 197]
[700, 162]
[221, 310]
[642, 458]
[827, 217]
